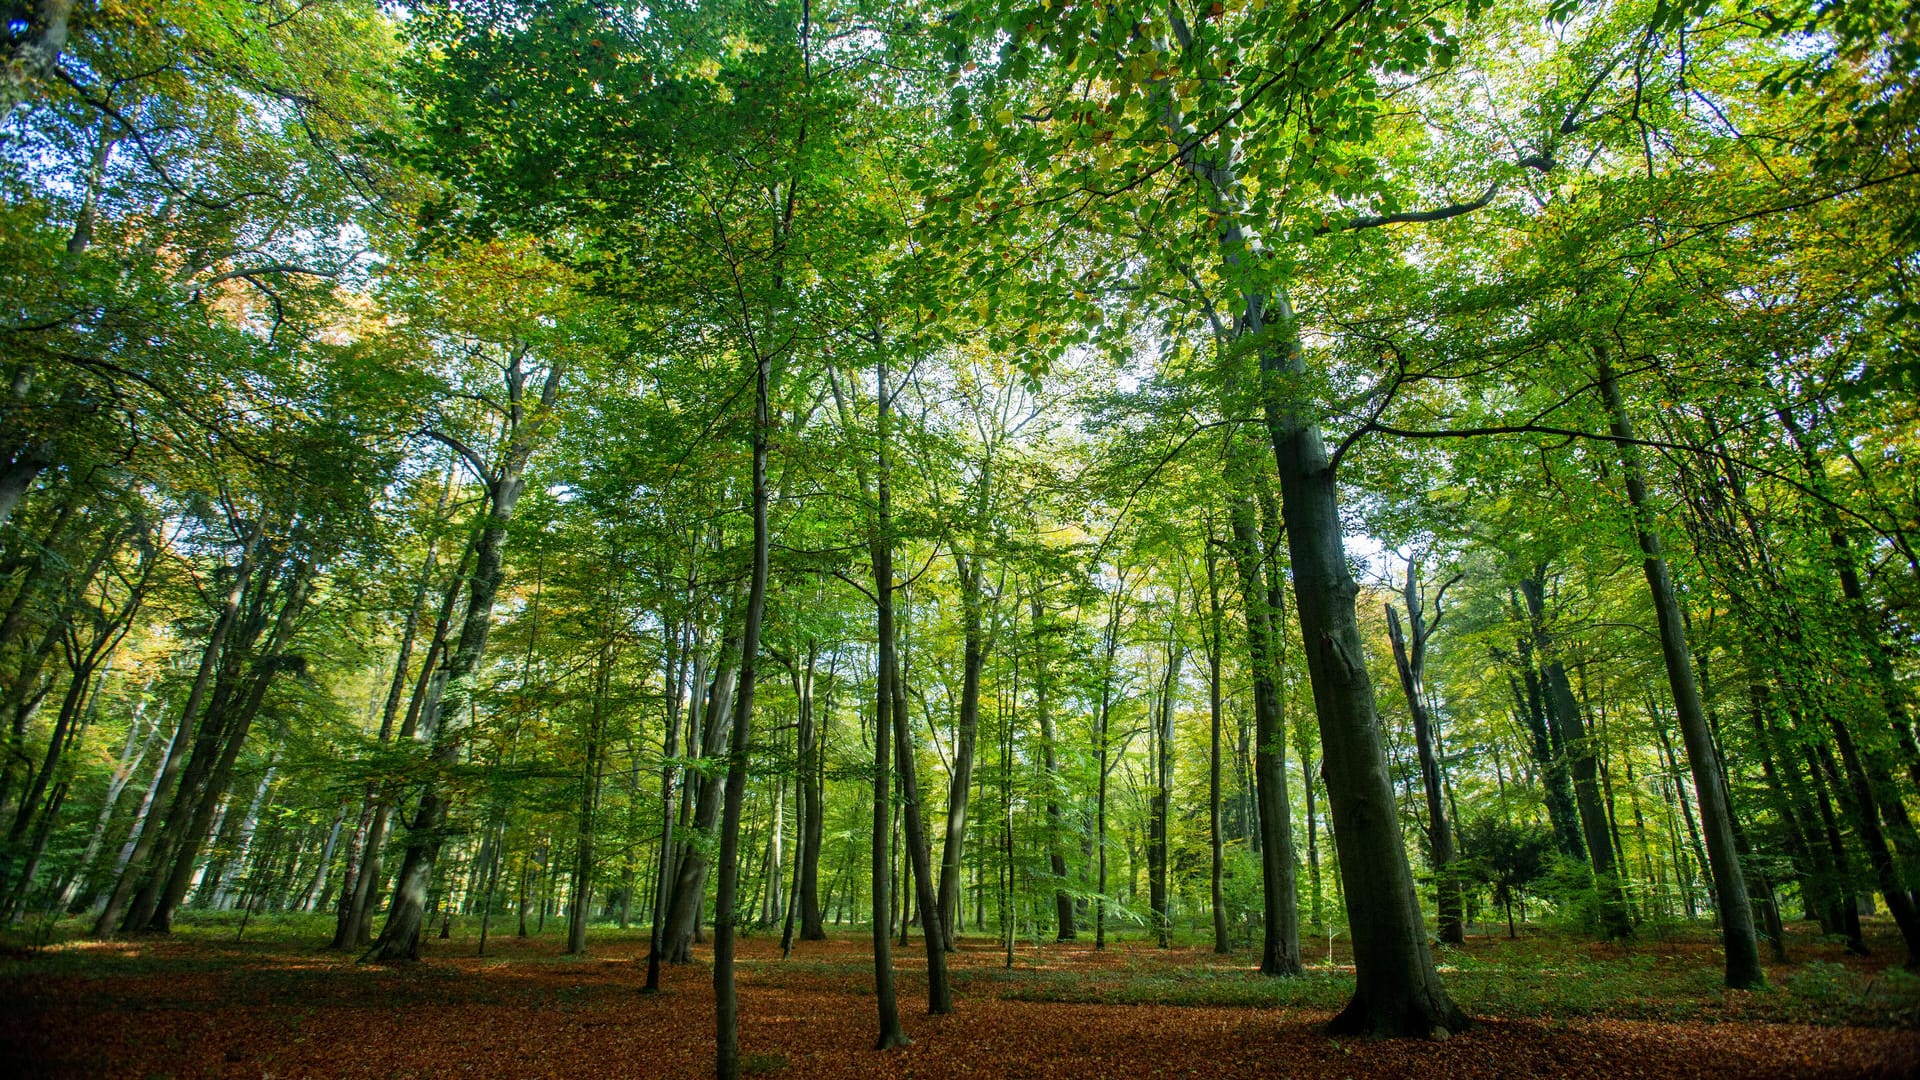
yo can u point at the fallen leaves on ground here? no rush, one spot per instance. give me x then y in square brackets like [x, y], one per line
[202, 1007]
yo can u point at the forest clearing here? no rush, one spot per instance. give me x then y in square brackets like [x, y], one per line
[1041, 538]
[208, 1004]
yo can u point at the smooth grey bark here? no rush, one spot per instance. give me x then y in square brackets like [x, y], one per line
[123, 772]
[361, 859]
[19, 473]
[1409, 655]
[243, 841]
[84, 658]
[812, 806]
[1104, 759]
[1162, 761]
[1730, 887]
[1049, 756]
[1216, 838]
[138, 826]
[1303, 743]
[1556, 781]
[960, 784]
[451, 687]
[136, 862]
[885, 704]
[690, 878]
[187, 848]
[579, 902]
[726, 1003]
[1397, 990]
[1578, 751]
[913, 821]
[1280, 949]
[28, 689]
[326, 860]
[683, 645]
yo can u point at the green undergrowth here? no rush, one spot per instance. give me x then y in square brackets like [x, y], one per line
[1530, 983]
[1549, 976]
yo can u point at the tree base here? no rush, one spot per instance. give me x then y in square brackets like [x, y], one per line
[1433, 1017]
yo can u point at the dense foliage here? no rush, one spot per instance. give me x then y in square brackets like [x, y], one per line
[1245, 469]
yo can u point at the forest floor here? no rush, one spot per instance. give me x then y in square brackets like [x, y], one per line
[202, 1003]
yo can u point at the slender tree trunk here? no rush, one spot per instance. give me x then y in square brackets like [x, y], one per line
[452, 686]
[1102, 752]
[689, 886]
[939, 993]
[1217, 841]
[1615, 920]
[1056, 830]
[669, 773]
[1548, 755]
[363, 844]
[974, 655]
[812, 807]
[726, 1003]
[187, 848]
[122, 776]
[1280, 951]
[880, 545]
[1157, 850]
[1439, 832]
[157, 810]
[1730, 887]
[579, 904]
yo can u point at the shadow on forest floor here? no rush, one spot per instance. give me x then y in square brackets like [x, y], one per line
[203, 1003]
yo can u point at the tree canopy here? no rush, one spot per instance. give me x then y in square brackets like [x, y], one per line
[1240, 470]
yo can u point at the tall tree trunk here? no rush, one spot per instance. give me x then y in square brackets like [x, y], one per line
[452, 686]
[880, 548]
[726, 1003]
[1303, 742]
[136, 863]
[1280, 953]
[684, 644]
[1157, 849]
[1615, 919]
[1216, 838]
[579, 904]
[271, 660]
[974, 655]
[813, 820]
[689, 884]
[1439, 833]
[939, 993]
[1397, 991]
[122, 775]
[1730, 887]
[1049, 757]
[1544, 742]
[1102, 752]
[363, 844]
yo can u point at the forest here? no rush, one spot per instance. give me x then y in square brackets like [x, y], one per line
[959, 537]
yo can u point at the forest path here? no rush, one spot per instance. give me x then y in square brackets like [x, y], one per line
[205, 1006]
